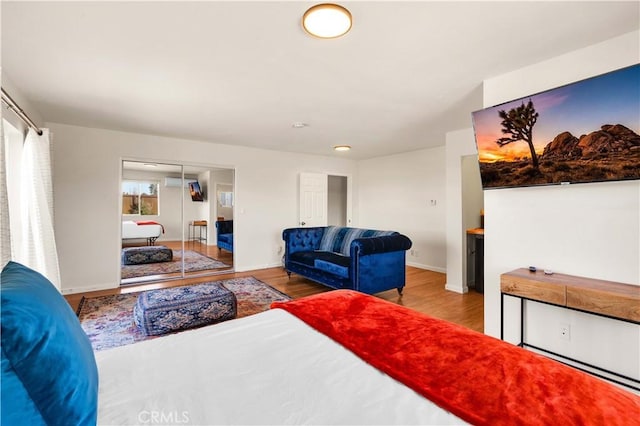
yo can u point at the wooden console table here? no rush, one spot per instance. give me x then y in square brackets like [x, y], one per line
[598, 297]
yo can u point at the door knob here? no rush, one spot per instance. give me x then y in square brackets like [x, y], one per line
[303, 223]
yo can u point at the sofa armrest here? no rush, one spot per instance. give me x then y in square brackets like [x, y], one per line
[302, 239]
[383, 244]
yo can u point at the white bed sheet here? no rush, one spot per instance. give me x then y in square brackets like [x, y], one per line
[269, 368]
[131, 230]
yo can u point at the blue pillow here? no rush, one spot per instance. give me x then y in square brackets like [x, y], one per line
[16, 404]
[49, 372]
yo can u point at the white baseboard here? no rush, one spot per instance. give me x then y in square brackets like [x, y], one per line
[427, 267]
[109, 286]
[459, 290]
[256, 267]
[74, 290]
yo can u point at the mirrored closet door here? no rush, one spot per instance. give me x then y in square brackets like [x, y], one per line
[170, 216]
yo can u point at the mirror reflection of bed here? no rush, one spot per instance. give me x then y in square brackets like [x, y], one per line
[159, 239]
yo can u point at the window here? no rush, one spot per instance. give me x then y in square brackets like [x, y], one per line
[225, 199]
[140, 197]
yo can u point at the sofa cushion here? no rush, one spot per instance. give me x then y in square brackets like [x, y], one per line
[309, 258]
[227, 238]
[338, 239]
[332, 268]
[46, 350]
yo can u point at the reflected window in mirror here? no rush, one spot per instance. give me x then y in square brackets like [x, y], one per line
[225, 198]
[140, 197]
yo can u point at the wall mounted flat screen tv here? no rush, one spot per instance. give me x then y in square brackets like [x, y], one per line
[588, 131]
[195, 191]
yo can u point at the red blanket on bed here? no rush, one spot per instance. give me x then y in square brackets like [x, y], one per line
[150, 222]
[478, 378]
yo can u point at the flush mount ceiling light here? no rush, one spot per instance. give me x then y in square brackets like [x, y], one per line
[299, 125]
[327, 20]
[342, 148]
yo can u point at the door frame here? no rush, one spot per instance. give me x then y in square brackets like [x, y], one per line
[349, 207]
[183, 166]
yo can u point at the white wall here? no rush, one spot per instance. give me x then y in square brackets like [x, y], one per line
[590, 230]
[395, 193]
[86, 178]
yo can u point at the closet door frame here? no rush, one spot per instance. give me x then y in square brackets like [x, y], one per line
[140, 163]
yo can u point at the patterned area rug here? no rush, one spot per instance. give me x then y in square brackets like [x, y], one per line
[193, 261]
[108, 320]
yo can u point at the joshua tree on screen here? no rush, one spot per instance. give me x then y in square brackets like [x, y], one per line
[518, 125]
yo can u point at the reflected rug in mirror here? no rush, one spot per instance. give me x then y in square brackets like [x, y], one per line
[108, 320]
[193, 261]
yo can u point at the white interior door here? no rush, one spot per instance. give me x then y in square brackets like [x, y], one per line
[313, 199]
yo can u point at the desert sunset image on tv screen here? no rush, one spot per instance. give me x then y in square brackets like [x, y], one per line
[587, 131]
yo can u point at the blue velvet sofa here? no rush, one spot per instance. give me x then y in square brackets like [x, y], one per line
[224, 231]
[364, 260]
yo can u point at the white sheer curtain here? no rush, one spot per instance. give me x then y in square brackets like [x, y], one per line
[38, 248]
[5, 226]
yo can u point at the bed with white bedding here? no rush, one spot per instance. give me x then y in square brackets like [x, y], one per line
[269, 368]
[339, 357]
[344, 357]
[148, 230]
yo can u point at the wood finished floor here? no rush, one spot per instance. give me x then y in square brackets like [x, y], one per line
[424, 291]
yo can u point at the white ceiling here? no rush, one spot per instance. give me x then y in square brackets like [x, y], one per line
[242, 73]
